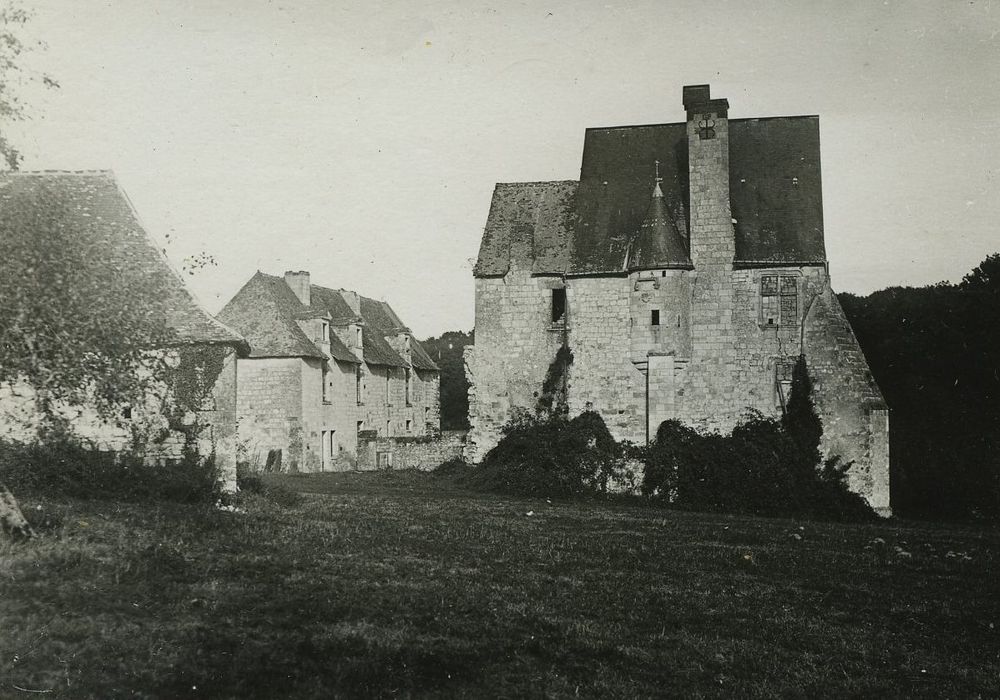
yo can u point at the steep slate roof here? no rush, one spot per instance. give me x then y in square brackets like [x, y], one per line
[658, 244]
[104, 224]
[589, 227]
[529, 222]
[266, 317]
[266, 310]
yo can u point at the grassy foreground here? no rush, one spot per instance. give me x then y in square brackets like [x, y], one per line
[396, 585]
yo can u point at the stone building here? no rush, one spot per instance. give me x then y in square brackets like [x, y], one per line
[685, 270]
[82, 224]
[327, 367]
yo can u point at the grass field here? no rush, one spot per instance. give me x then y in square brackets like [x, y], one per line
[395, 585]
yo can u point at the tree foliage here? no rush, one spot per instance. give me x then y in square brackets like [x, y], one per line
[74, 325]
[13, 75]
[447, 351]
[935, 353]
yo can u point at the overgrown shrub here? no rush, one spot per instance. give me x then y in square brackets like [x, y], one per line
[551, 456]
[67, 469]
[764, 467]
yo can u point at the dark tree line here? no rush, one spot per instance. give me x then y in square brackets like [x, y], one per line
[935, 353]
[446, 351]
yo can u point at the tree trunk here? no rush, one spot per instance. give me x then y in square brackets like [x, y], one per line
[12, 520]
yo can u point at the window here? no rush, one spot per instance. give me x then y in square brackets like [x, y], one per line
[706, 127]
[324, 332]
[409, 425]
[558, 306]
[779, 300]
[409, 379]
[361, 425]
[388, 386]
[388, 428]
[654, 317]
[358, 338]
[359, 384]
[783, 368]
[325, 379]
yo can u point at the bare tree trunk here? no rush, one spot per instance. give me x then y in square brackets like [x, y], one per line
[12, 520]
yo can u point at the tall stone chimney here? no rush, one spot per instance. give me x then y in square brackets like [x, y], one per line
[713, 243]
[299, 283]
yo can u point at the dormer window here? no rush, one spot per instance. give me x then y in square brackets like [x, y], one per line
[324, 332]
[358, 338]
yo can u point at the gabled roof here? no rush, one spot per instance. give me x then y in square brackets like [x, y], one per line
[587, 227]
[106, 228]
[263, 312]
[266, 309]
[531, 224]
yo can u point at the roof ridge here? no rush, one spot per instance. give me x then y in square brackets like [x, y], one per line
[56, 171]
[538, 182]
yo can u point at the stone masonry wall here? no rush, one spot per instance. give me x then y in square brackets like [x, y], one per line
[269, 405]
[411, 452]
[602, 377]
[151, 429]
[516, 342]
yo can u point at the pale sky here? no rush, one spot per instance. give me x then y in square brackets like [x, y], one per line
[361, 141]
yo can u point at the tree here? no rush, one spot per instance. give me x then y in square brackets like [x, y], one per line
[448, 352]
[13, 75]
[800, 419]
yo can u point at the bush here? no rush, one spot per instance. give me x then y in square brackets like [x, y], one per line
[66, 469]
[551, 456]
[764, 467]
[252, 483]
[759, 469]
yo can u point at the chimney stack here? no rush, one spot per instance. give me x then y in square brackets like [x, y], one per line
[712, 242]
[352, 299]
[299, 283]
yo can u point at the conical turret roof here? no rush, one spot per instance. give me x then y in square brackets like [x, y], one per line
[658, 243]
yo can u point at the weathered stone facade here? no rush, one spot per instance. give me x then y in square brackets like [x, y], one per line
[701, 329]
[377, 376]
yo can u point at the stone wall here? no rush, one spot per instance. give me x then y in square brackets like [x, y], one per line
[602, 376]
[269, 404]
[516, 341]
[189, 407]
[423, 453]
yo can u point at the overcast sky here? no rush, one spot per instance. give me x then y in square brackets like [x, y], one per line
[361, 141]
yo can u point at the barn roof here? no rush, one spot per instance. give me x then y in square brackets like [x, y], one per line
[119, 254]
[590, 226]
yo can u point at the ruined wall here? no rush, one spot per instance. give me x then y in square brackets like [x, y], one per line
[427, 402]
[193, 406]
[855, 417]
[516, 342]
[424, 453]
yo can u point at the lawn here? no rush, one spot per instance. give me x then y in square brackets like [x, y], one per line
[397, 585]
